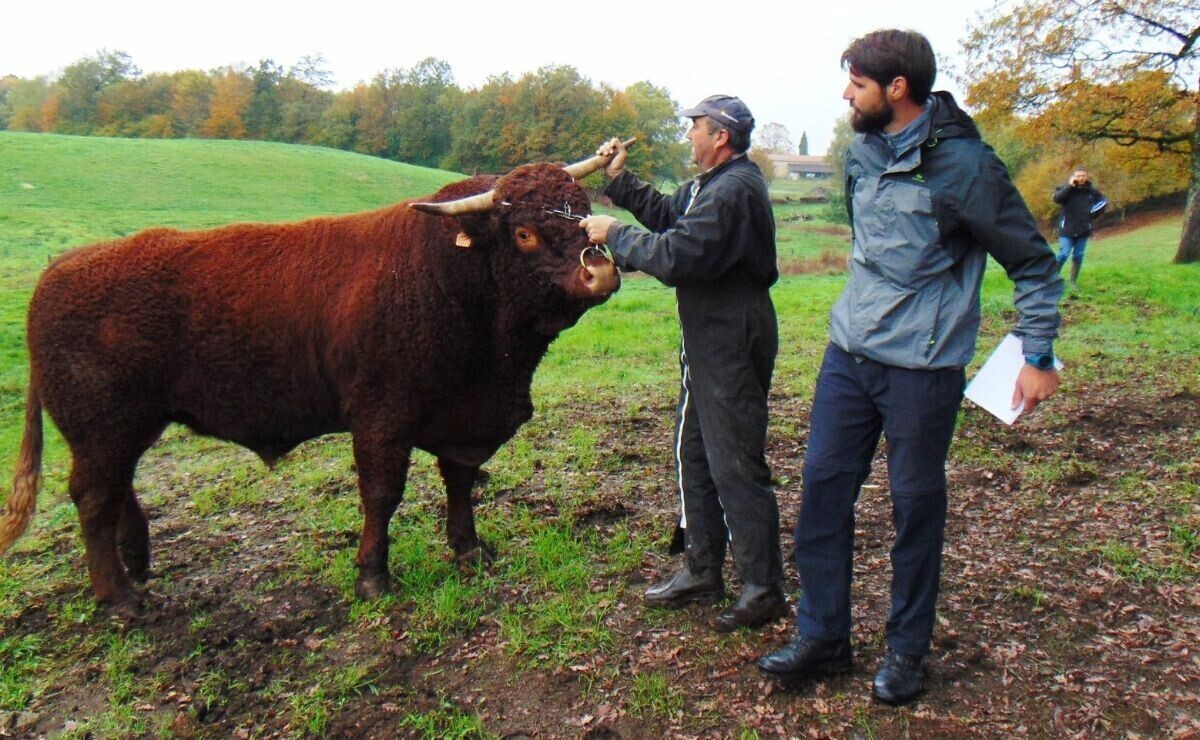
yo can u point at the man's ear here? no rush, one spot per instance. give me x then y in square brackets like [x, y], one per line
[897, 89]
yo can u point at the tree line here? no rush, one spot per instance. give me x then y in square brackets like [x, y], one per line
[417, 115]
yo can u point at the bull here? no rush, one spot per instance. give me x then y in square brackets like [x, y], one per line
[418, 325]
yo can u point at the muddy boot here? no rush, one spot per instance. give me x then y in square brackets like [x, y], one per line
[1075, 274]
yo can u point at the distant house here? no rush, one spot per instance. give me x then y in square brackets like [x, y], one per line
[800, 166]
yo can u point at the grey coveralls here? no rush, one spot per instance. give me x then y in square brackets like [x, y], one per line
[713, 240]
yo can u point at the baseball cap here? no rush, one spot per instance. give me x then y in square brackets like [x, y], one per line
[727, 110]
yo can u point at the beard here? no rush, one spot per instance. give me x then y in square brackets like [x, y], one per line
[863, 123]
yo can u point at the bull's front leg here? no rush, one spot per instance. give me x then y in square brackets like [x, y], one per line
[460, 517]
[382, 472]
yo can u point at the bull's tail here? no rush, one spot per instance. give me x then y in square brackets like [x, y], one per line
[27, 476]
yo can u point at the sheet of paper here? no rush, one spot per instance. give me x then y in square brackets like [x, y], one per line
[992, 387]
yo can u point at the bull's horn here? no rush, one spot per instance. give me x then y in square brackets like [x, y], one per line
[471, 204]
[580, 170]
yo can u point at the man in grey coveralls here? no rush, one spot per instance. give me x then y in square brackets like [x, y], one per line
[713, 240]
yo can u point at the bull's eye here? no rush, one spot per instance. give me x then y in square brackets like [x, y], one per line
[527, 239]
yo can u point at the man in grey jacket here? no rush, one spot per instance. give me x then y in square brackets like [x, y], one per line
[713, 240]
[928, 202]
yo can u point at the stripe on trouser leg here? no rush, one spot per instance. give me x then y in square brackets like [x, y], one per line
[683, 407]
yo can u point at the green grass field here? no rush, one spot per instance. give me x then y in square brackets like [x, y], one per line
[573, 557]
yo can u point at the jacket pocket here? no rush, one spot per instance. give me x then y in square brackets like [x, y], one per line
[901, 239]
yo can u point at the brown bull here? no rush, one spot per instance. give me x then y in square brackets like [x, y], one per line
[403, 328]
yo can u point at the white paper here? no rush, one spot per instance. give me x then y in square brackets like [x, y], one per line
[992, 387]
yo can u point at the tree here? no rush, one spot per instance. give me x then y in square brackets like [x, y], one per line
[762, 158]
[263, 113]
[804, 143]
[312, 69]
[191, 98]
[79, 87]
[774, 137]
[659, 153]
[339, 122]
[1120, 70]
[843, 136]
[24, 101]
[232, 92]
[478, 124]
[302, 107]
[422, 112]
[135, 108]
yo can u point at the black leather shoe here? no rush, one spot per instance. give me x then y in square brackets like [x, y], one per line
[756, 606]
[899, 678]
[805, 656]
[685, 588]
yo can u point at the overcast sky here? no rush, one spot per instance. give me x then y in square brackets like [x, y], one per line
[781, 58]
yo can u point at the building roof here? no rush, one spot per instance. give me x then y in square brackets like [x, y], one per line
[797, 158]
[800, 163]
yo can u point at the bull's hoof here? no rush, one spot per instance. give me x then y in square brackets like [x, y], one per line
[480, 555]
[371, 587]
[139, 573]
[124, 611]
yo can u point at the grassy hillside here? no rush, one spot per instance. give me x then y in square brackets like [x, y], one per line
[1070, 532]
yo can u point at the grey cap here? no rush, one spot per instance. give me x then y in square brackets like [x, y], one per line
[726, 110]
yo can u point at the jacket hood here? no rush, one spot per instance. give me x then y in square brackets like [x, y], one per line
[948, 121]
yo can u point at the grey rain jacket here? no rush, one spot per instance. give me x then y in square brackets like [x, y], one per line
[924, 221]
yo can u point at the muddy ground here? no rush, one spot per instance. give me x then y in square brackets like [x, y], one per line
[1045, 628]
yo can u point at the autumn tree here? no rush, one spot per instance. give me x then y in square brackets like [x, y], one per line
[762, 158]
[22, 101]
[138, 107]
[232, 92]
[1122, 71]
[191, 99]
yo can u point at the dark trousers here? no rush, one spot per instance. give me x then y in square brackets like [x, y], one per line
[855, 402]
[723, 477]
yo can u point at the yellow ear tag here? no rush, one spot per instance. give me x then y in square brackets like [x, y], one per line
[462, 240]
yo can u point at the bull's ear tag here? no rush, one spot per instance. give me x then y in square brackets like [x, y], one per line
[462, 240]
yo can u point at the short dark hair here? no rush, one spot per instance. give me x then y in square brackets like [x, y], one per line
[885, 55]
[739, 141]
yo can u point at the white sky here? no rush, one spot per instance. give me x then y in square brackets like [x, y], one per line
[781, 58]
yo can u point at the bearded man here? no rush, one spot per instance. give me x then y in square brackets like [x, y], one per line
[928, 202]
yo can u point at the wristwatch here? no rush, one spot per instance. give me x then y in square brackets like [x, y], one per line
[1042, 361]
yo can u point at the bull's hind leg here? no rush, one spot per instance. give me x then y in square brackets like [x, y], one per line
[133, 538]
[114, 525]
[382, 472]
[100, 490]
[460, 516]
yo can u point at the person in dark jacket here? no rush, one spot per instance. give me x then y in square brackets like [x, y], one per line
[928, 202]
[713, 240]
[1080, 203]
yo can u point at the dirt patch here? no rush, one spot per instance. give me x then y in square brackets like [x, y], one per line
[829, 230]
[1044, 629]
[829, 263]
